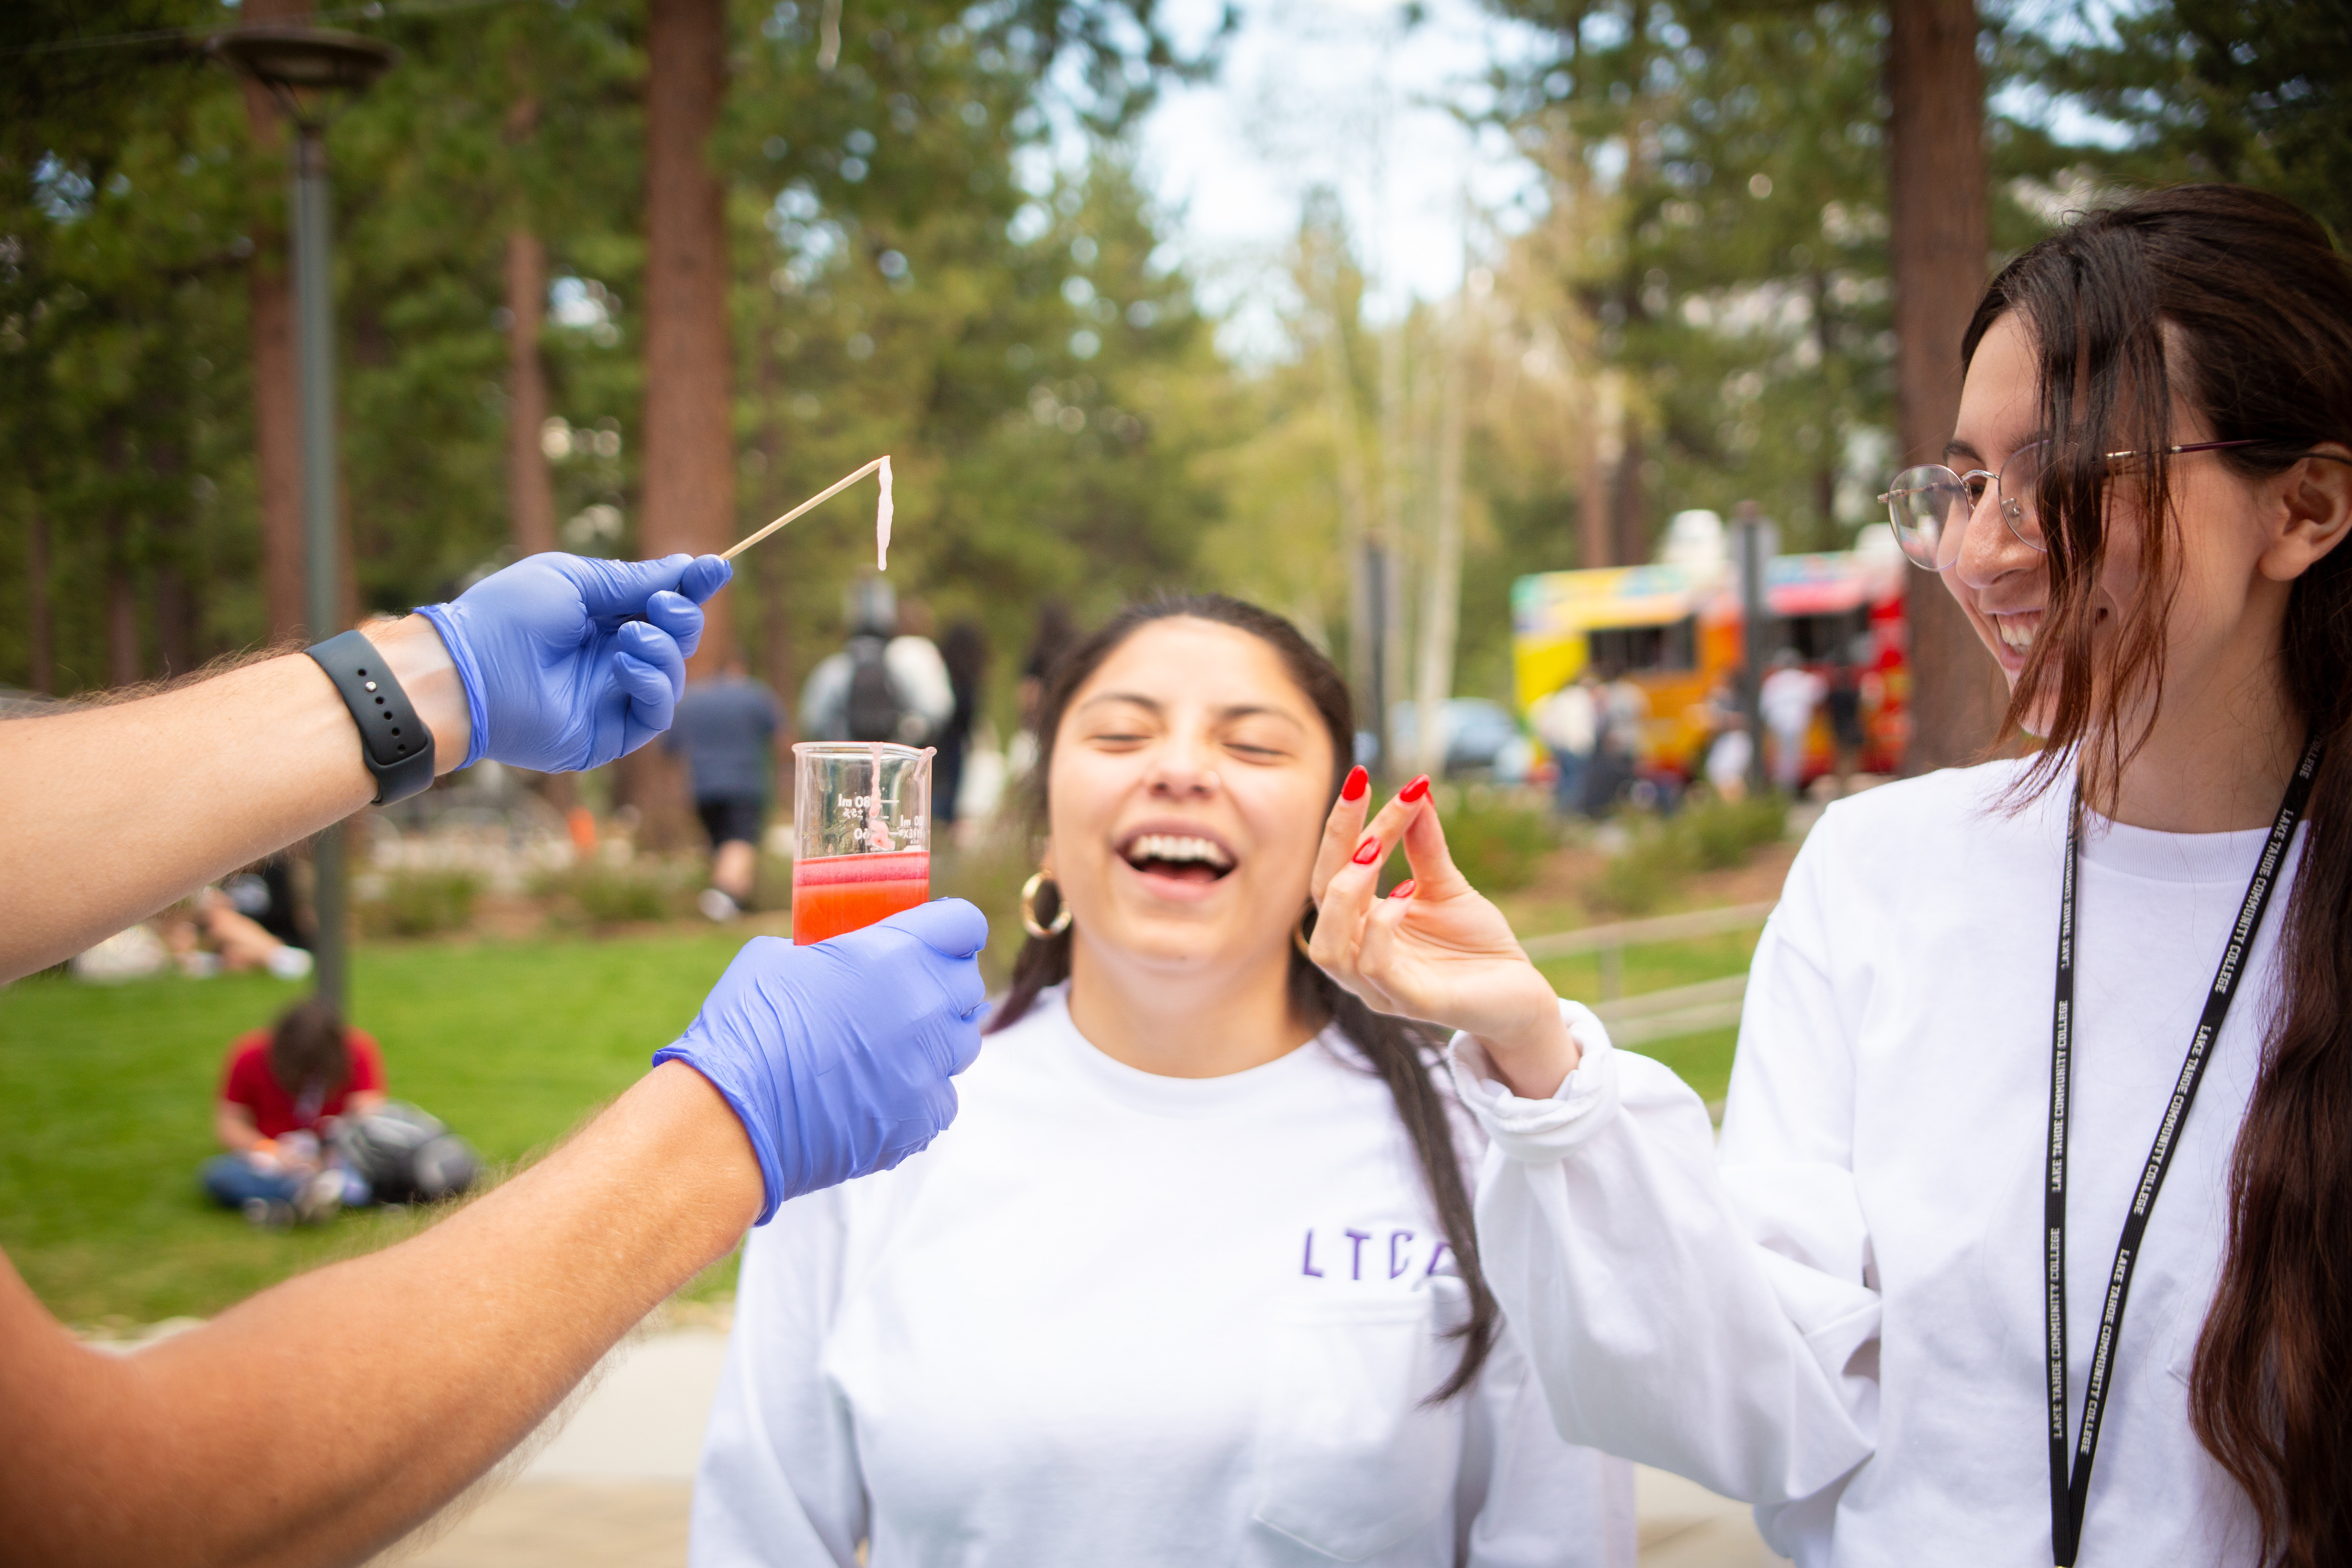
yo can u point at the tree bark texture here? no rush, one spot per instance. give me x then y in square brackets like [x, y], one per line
[277, 384]
[1939, 212]
[689, 447]
[531, 489]
[1630, 501]
[122, 662]
[40, 632]
[1441, 604]
[688, 497]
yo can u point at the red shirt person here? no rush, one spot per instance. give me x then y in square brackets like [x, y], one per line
[308, 1069]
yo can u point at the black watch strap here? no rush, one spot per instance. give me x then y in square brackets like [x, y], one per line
[396, 744]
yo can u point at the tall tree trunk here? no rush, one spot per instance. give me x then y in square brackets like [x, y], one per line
[1441, 604]
[122, 662]
[1825, 467]
[531, 489]
[1629, 502]
[1938, 201]
[40, 632]
[1355, 527]
[688, 501]
[1396, 665]
[689, 462]
[1596, 507]
[775, 658]
[168, 582]
[277, 380]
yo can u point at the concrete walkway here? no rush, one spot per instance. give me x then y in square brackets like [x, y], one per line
[612, 1488]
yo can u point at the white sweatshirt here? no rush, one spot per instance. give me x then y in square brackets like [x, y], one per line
[1111, 1317]
[1838, 1314]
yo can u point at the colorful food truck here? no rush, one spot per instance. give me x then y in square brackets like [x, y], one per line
[1675, 630]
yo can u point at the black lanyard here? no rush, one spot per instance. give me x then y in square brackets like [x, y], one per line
[2069, 1491]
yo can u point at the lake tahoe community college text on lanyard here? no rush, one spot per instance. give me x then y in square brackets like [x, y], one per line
[2069, 1492]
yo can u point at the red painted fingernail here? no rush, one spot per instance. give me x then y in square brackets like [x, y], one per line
[1402, 889]
[1358, 781]
[1367, 851]
[1414, 790]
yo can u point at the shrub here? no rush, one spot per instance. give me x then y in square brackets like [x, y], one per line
[1498, 845]
[1708, 834]
[1658, 855]
[598, 894]
[1723, 832]
[420, 903]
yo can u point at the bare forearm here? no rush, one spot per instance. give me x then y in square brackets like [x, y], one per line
[148, 800]
[325, 1418]
[236, 1129]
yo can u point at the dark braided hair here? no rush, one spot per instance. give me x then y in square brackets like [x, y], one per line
[1404, 1054]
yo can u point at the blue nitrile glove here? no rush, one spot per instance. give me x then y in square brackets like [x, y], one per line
[837, 1057]
[557, 679]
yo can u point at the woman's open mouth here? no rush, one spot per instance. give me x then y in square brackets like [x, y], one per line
[1168, 855]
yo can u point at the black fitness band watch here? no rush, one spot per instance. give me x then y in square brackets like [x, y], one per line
[396, 744]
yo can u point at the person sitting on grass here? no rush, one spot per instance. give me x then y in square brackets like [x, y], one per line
[281, 1091]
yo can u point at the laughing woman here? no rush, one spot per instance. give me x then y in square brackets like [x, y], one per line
[2021, 1243]
[1194, 1280]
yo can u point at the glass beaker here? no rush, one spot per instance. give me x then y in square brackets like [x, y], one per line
[862, 835]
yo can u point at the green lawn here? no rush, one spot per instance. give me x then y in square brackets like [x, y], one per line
[106, 1096]
[106, 1092]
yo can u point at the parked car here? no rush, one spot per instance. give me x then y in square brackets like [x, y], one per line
[1481, 737]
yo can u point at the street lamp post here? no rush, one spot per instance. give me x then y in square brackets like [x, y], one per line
[309, 70]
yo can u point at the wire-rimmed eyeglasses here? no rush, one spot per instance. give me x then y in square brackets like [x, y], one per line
[1930, 506]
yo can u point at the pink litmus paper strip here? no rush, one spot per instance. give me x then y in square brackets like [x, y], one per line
[881, 514]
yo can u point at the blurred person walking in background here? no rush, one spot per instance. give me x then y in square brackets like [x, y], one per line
[965, 651]
[884, 686]
[1844, 702]
[727, 728]
[1787, 700]
[1569, 724]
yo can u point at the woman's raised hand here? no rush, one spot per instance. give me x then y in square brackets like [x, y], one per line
[1435, 949]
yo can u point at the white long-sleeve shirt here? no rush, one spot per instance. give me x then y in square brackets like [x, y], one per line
[1838, 1313]
[1116, 1317]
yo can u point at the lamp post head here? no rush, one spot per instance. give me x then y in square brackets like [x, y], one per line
[294, 61]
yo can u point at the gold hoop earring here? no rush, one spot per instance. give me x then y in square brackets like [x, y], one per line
[1300, 932]
[1029, 908]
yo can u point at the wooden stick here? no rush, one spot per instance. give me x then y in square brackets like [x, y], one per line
[826, 494]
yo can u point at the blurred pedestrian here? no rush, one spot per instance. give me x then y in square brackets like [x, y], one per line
[887, 683]
[726, 727]
[1054, 636]
[965, 651]
[1569, 724]
[1843, 702]
[1787, 700]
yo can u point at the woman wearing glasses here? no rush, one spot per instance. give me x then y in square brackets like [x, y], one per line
[2038, 1145]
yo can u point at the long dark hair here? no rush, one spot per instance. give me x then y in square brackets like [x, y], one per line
[2236, 303]
[1402, 1053]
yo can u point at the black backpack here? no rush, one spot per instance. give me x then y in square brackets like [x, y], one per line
[407, 1155]
[875, 711]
